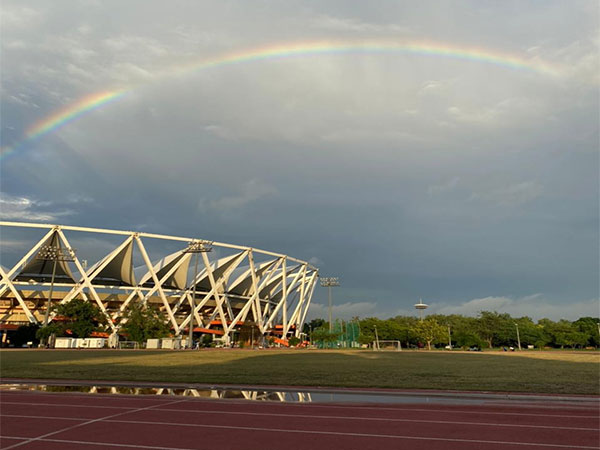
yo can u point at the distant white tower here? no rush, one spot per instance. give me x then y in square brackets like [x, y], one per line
[421, 307]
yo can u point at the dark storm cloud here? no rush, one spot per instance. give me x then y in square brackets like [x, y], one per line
[469, 184]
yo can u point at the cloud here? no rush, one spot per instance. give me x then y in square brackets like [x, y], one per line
[404, 171]
[315, 261]
[512, 195]
[34, 210]
[356, 26]
[431, 85]
[20, 17]
[342, 311]
[27, 209]
[15, 245]
[252, 191]
[441, 188]
[535, 306]
[220, 131]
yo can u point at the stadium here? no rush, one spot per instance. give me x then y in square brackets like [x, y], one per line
[226, 286]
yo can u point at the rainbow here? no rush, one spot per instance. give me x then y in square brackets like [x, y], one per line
[94, 101]
[64, 116]
[374, 47]
[72, 112]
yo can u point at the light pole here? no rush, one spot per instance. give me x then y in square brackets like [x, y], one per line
[196, 247]
[421, 307]
[518, 337]
[329, 282]
[54, 254]
[376, 338]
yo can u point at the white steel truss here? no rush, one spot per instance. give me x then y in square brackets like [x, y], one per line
[266, 290]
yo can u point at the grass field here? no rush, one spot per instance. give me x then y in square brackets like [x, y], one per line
[543, 372]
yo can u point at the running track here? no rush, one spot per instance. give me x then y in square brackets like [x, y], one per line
[66, 421]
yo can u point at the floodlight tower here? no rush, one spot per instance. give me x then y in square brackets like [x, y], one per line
[55, 254]
[421, 307]
[195, 247]
[329, 282]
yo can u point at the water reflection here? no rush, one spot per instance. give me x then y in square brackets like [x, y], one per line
[255, 395]
[289, 396]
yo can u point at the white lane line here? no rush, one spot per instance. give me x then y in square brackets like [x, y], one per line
[38, 438]
[381, 419]
[89, 395]
[447, 410]
[191, 401]
[68, 404]
[338, 433]
[546, 405]
[307, 416]
[103, 444]
[43, 417]
[97, 397]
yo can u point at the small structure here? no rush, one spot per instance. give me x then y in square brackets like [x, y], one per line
[68, 342]
[153, 343]
[421, 307]
[171, 343]
[64, 342]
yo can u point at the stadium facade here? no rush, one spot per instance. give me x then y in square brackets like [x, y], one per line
[233, 285]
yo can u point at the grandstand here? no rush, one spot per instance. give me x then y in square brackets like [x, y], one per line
[233, 285]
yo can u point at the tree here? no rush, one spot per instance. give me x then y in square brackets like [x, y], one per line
[77, 318]
[589, 325]
[313, 325]
[323, 336]
[367, 330]
[206, 340]
[143, 323]
[464, 331]
[293, 341]
[529, 332]
[406, 325]
[546, 333]
[430, 331]
[465, 338]
[26, 333]
[495, 328]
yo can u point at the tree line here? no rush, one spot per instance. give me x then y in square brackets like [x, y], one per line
[79, 318]
[489, 329]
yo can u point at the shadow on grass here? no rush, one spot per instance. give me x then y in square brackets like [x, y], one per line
[406, 370]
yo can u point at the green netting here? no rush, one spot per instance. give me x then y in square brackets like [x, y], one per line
[347, 335]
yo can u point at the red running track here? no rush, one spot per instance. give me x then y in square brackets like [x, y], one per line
[35, 420]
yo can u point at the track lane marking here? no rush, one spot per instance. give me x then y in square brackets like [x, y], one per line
[104, 444]
[82, 424]
[91, 395]
[69, 405]
[325, 406]
[378, 419]
[331, 433]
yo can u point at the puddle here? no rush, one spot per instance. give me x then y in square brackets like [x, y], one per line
[287, 396]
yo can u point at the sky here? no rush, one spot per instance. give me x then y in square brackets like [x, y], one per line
[443, 150]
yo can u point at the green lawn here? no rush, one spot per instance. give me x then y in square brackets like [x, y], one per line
[573, 373]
